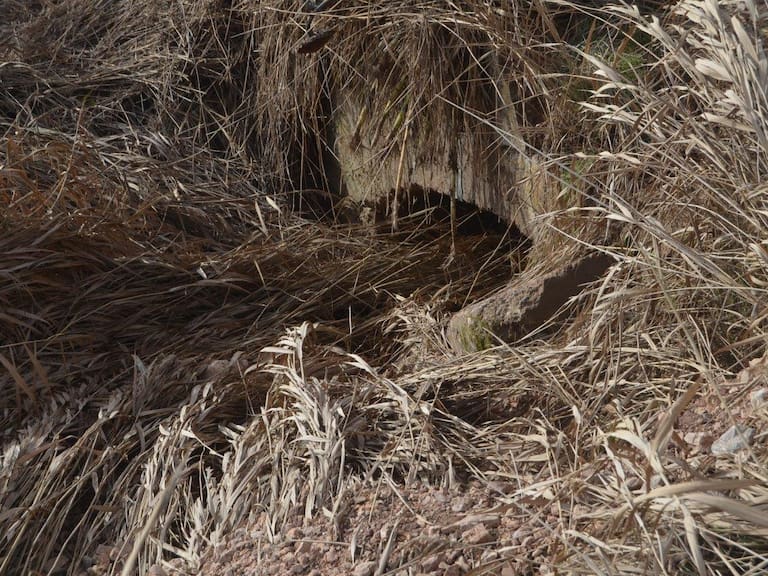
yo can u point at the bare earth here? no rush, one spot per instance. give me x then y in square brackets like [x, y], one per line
[419, 531]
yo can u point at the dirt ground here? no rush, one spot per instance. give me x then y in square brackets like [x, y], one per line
[419, 531]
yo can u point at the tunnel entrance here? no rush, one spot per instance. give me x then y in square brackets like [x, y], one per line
[466, 242]
[449, 258]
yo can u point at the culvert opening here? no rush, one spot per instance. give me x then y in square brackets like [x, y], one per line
[468, 239]
[450, 259]
[435, 258]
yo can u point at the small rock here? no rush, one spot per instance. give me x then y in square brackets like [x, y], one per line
[478, 534]
[460, 504]
[430, 563]
[734, 439]
[364, 569]
[499, 487]
[759, 398]
[331, 556]
[491, 520]
[302, 547]
[700, 440]
[449, 569]
[294, 534]
[523, 305]
[440, 497]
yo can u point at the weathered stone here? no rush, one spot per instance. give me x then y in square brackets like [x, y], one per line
[759, 398]
[478, 534]
[460, 504]
[734, 439]
[156, 570]
[364, 569]
[430, 563]
[523, 305]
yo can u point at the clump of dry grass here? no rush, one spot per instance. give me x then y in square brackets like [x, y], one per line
[179, 349]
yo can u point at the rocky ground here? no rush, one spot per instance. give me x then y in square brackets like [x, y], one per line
[420, 531]
[470, 528]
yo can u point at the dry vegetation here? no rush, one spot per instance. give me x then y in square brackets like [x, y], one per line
[184, 344]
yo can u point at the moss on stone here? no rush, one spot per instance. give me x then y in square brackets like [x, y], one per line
[476, 335]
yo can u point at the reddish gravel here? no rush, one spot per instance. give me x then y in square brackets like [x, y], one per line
[436, 532]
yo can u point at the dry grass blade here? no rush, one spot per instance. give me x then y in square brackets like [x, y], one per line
[175, 294]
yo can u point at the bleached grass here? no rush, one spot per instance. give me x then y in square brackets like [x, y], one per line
[180, 352]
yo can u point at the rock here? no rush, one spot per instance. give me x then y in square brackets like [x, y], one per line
[295, 533]
[364, 569]
[156, 570]
[478, 534]
[734, 439]
[460, 504]
[430, 563]
[331, 556]
[500, 487]
[489, 519]
[759, 398]
[699, 440]
[523, 305]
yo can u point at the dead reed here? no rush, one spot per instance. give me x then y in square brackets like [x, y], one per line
[179, 345]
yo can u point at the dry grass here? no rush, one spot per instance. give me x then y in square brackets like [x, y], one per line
[181, 346]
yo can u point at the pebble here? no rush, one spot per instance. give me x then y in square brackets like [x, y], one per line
[331, 556]
[733, 440]
[759, 398]
[700, 440]
[430, 563]
[294, 534]
[478, 534]
[501, 487]
[491, 520]
[460, 504]
[364, 569]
